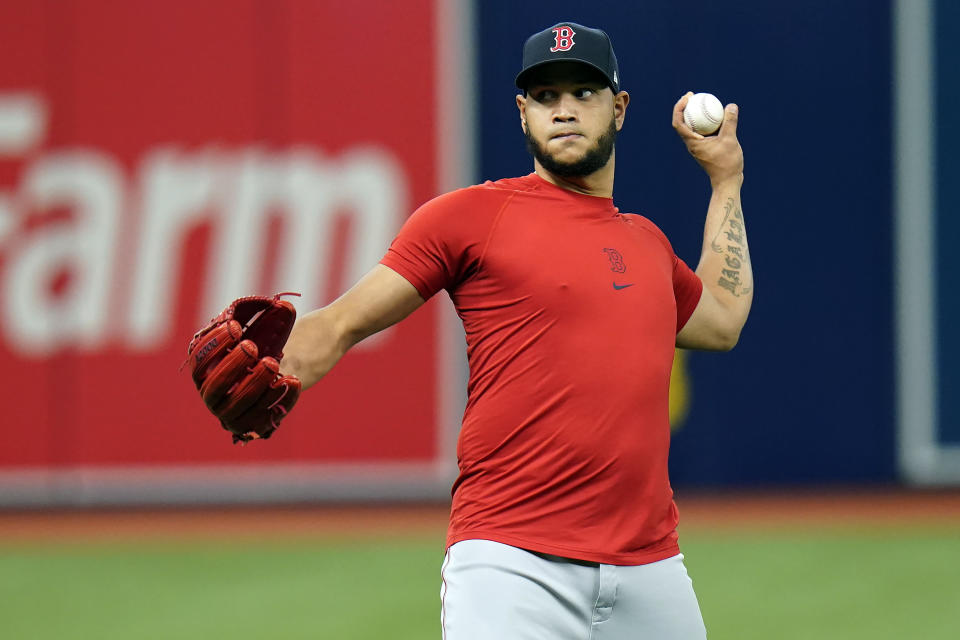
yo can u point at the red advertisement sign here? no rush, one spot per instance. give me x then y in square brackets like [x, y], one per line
[158, 160]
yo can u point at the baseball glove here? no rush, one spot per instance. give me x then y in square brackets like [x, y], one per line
[235, 363]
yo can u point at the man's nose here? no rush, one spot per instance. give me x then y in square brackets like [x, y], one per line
[566, 109]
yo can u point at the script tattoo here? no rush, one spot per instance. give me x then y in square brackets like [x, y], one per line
[731, 242]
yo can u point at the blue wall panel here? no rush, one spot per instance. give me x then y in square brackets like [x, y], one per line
[947, 138]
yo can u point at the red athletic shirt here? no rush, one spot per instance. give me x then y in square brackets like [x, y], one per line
[571, 311]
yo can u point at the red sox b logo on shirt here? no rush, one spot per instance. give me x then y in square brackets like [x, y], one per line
[617, 266]
[564, 39]
[616, 260]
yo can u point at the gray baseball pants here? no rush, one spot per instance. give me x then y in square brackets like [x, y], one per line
[492, 591]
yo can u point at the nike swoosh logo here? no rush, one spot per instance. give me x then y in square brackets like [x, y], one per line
[621, 286]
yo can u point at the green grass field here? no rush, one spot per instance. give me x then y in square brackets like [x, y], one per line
[846, 584]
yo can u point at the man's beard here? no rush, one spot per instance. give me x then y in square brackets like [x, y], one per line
[593, 160]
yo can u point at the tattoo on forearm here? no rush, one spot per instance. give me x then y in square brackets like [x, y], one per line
[730, 241]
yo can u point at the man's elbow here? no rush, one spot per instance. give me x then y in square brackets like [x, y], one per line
[729, 332]
[715, 339]
[724, 337]
[728, 340]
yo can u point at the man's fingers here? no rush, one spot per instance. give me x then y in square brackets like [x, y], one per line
[679, 124]
[678, 109]
[730, 116]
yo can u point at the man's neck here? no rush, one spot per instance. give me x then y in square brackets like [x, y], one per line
[599, 183]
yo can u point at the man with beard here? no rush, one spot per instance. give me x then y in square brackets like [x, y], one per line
[563, 523]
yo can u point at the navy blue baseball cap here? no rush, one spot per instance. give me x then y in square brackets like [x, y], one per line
[569, 41]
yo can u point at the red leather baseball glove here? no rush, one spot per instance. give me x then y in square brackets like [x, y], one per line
[235, 362]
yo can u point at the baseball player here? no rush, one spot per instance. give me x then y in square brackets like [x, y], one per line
[563, 523]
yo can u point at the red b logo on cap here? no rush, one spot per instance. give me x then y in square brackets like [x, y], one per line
[564, 39]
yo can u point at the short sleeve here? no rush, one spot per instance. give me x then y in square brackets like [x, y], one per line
[687, 288]
[437, 246]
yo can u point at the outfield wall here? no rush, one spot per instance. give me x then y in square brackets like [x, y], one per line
[159, 159]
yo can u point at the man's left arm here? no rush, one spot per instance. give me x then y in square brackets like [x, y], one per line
[724, 267]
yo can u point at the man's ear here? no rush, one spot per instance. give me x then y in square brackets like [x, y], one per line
[522, 107]
[620, 102]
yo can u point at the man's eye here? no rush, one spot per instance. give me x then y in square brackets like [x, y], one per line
[585, 92]
[544, 96]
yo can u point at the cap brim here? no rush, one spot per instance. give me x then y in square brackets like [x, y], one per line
[521, 78]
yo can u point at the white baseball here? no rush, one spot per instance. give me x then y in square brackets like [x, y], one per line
[703, 113]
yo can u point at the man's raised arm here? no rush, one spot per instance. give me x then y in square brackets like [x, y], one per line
[724, 267]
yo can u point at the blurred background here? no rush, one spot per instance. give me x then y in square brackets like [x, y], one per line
[158, 159]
